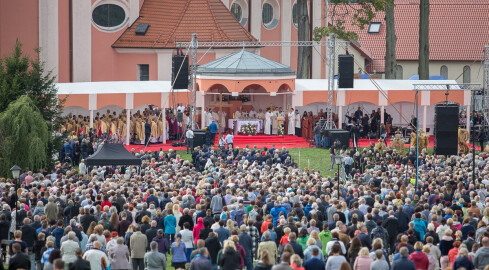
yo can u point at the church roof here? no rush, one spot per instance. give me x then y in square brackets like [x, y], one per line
[244, 63]
[457, 31]
[173, 21]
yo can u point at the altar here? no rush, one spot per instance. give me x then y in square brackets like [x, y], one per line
[244, 122]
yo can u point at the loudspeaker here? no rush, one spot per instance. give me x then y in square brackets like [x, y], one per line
[345, 71]
[181, 82]
[446, 129]
[199, 137]
[343, 136]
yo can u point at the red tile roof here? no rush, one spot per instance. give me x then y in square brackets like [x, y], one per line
[173, 21]
[459, 30]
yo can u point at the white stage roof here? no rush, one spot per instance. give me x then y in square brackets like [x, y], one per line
[365, 84]
[116, 87]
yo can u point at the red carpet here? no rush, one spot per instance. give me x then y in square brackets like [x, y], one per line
[261, 141]
[240, 141]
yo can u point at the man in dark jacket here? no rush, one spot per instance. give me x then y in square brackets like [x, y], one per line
[297, 247]
[19, 260]
[391, 224]
[186, 218]
[201, 260]
[151, 232]
[213, 246]
[403, 263]
[79, 263]
[86, 219]
[142, 213]
[247, 243]
[403, 219]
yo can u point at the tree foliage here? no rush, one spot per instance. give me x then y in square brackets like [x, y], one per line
[358, 12]
[19, 76]
[25, 136]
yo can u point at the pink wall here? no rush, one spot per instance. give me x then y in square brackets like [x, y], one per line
[64, 41]
[19, 20]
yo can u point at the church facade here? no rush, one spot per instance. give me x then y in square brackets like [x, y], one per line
[95, 40]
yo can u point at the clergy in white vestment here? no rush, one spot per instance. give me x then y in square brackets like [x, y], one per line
[268, 122]
[252, 113]
[275, 122]
[208, 117]
[291, 123]
[238, 114]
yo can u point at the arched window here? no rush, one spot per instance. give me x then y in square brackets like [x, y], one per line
[237, 11]
[444, 71]
[466, 74]
[294, 15]
[270, 14]
[399, 72]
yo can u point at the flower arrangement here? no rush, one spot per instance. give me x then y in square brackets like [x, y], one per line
[280, 130]
[249, 129]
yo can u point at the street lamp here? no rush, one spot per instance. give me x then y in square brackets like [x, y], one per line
[15, 173]
[338, 159]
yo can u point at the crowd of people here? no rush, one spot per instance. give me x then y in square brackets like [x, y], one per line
[231, 208]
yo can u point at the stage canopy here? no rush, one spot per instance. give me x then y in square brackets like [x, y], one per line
[113, 154]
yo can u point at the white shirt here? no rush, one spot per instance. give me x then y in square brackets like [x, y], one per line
[229, 138]
[180, 108]
[189, 134]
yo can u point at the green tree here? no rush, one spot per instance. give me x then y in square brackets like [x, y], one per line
[25, 136]
[20, 75]
[359, 13]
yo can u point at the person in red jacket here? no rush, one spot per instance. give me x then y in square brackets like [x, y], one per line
[420, 259]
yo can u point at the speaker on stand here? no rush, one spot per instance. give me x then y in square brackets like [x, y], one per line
[181, 81]
[446, 129]
[345, 71]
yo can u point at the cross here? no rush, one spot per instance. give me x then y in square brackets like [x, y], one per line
[220, 106]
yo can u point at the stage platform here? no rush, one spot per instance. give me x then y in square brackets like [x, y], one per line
[261, 141]
[240, 141]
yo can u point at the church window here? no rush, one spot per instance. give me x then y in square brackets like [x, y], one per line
[466, 74]
[444, 71]
[143, 72]
[109, 16]
[270, 14]
[294, 15]
[237, 11]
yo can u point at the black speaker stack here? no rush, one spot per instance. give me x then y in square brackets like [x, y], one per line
[345, 71]
[340, 135]
[181, 81]
[199, 137]
[446, 129]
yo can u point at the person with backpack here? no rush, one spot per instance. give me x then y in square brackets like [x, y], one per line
[380, 232]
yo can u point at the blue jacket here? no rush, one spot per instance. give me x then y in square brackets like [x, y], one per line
[213, 127]
[275, 212]
[222, 234]
[403, 264]
[247, 243]
[170, 224]
[58, 233]
[68, 148]
[314, 263]
[420, 226]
